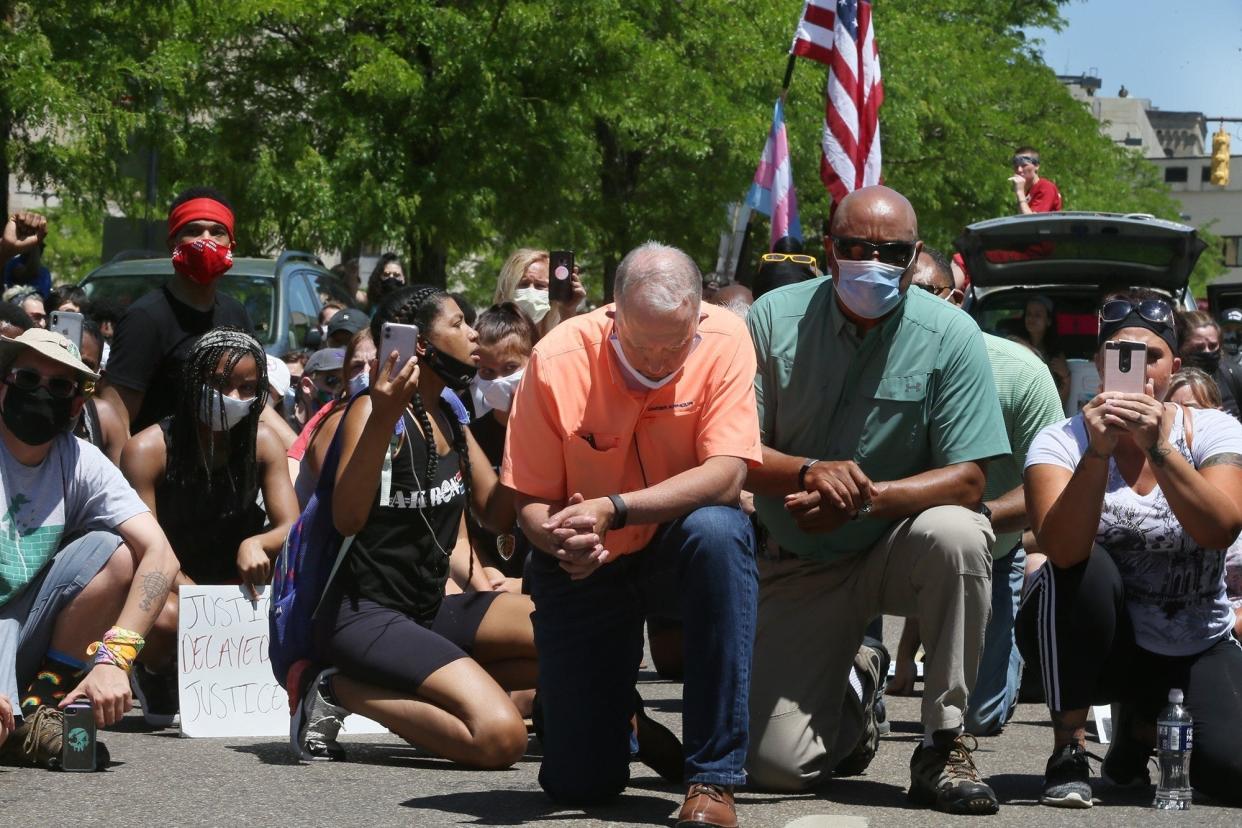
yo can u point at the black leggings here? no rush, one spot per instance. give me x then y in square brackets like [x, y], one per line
[1073, 627]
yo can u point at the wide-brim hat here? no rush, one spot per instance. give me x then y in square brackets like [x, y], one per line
[46, 343]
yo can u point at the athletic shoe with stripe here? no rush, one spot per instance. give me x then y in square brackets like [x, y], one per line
[314, 727]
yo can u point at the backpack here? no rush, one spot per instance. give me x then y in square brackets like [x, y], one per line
[311, 556]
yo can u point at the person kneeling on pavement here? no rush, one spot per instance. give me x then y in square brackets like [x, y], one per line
[628, 443]
[84, 567]
[878, 411]
[1136, 501]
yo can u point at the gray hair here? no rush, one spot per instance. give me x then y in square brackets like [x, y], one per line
[665, 275]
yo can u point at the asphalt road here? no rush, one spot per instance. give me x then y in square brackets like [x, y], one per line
[161, 778]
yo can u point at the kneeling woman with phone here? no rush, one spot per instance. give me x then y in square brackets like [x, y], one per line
[1135, 501]
[432, 669]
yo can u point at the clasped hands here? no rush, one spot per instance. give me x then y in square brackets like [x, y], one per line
[577, 535]
[836, 492]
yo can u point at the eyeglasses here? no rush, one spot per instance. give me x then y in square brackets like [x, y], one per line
[1020, 160]
[28, 380]
[1153, 310]
[890, 253]
[934, 290]
[796, 258]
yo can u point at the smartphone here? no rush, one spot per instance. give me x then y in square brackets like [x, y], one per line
[77, 753]
[561, 276]
[68, 324]
[1125, 366]
[399, 338]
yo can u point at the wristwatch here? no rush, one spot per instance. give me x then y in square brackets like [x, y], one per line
[620, 512]
[806, 467]
[985, 511]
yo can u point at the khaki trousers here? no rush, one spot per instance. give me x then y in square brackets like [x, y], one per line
[804, 718]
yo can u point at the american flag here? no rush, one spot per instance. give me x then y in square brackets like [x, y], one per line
[772, 192]
[838, 33]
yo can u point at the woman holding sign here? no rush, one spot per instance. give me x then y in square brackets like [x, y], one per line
[1135, 501]
[201, 472]
[435, 670]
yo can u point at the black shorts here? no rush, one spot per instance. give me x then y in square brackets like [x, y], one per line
[387, 648]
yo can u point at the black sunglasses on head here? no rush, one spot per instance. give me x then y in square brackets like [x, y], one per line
[890, 253]
[29, 380]
[1019, 160]
[1153, 310]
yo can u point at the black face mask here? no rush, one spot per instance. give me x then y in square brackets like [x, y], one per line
[36, 417]
[1206, 361]
[455, 373]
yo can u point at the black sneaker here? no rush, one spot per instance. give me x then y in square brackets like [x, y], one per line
[1067, 778]
[867, 662]
[1126, 763]
[156, 694]
[945, 777]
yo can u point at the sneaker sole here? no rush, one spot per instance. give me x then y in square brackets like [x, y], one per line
[1071, 800]
[153, 719]
[296, 722]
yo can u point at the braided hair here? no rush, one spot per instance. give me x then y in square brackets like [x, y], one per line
[189, 462]
[422, 305]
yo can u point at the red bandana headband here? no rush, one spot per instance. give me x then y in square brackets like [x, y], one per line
[200, 209]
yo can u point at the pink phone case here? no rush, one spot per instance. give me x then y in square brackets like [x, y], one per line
[1125, 366]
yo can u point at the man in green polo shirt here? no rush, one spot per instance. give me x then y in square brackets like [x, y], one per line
[1029, 401]
[878, 412]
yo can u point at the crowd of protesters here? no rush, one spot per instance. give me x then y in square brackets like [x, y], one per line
[753, 475]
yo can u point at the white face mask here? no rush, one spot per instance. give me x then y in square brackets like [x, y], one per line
[533, 301]
[498, 393]
[633, 374]
[359, 384]
[221, 413]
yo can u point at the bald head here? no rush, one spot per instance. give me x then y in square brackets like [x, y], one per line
[877, 213]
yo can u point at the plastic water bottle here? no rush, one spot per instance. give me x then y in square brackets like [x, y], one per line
[1174, 739]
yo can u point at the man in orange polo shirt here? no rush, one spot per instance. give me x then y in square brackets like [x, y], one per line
[629, 438]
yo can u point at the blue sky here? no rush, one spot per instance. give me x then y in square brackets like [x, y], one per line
[1183, 55]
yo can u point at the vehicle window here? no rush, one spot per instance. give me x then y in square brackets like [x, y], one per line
[303, 307]
[1075, 319]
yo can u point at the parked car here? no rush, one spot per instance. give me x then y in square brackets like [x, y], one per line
[279, 294]
[1073, 259]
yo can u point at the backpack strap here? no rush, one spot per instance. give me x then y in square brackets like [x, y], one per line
[323, 491]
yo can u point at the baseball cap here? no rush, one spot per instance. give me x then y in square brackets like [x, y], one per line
[1231, 315]
[328, 359]
[351, 320]
[278, 375]
[46, 343]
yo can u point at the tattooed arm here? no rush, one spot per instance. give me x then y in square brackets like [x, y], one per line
[156, 568]
[1207, 501]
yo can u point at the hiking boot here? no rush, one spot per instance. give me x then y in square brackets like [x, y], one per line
[868, 664]
[1067, 778]
[37, 741]
[1126, 763]
[316, 723]
[156, 694]
[945, 777]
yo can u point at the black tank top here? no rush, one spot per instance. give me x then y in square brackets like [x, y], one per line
[400, 557]
[205, 527]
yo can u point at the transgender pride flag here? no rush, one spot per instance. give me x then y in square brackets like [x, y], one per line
[772, 192]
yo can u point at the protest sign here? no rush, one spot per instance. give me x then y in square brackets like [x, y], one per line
[224, 677]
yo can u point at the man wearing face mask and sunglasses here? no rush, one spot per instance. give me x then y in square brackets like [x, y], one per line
[878, 412]
[158, 330]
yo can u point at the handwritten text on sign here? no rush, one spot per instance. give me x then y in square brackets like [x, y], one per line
[224, 676]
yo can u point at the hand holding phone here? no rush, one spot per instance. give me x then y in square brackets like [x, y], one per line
[1125, 366]
[561, 276]
[400, 338]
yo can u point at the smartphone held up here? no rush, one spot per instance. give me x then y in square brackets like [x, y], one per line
[561, 276]
[400, 338]
[1125, 366]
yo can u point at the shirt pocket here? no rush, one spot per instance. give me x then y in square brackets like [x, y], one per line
[595, 467]
[899, 415]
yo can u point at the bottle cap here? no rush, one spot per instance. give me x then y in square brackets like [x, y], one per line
[1175, 696]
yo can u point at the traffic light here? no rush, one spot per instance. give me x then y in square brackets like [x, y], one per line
[1220, 158]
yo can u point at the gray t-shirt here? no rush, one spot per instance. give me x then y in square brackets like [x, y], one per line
[1175, 589]
[74, 490]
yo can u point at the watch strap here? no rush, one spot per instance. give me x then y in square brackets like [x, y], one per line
[621, 513]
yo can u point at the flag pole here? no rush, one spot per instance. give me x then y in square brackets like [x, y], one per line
[789, 67]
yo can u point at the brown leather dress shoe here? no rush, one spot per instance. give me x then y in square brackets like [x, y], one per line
[708, 805]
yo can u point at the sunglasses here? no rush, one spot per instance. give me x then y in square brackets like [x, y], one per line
[796, 258]
[890, 253]
[29, 380]
[1153, 310]
[934, 290]
[1019, 160]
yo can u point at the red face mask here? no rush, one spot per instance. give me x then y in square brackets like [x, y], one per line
[202, 260]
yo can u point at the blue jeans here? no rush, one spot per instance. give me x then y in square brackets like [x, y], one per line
[701, 569]
[1000, 667]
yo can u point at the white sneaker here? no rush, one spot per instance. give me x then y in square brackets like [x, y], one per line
[315, 725]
